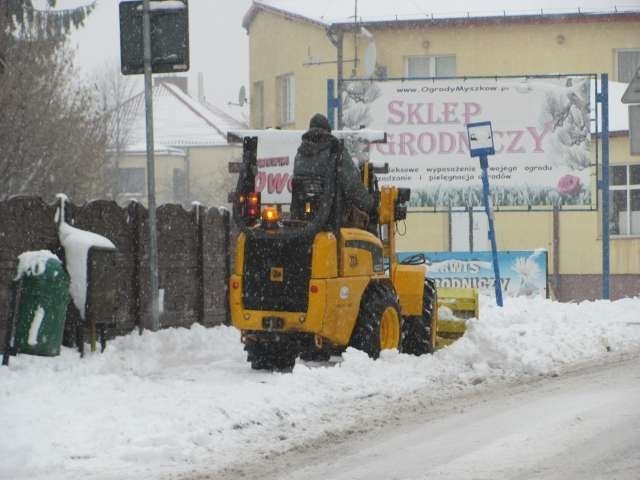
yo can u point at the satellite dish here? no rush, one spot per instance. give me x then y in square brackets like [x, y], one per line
[242, 96]
[369, 60]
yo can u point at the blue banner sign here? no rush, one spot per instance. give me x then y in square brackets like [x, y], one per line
[524, 273]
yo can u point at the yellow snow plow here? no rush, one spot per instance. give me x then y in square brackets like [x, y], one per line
[455, 306]
[309, 282]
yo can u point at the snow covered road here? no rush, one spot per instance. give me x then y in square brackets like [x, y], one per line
[182, 403]
[581, 424]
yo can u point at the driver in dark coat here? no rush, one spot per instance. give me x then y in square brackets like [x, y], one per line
[309, 161]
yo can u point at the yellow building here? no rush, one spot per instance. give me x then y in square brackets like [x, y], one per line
[191, 149]
[293, 52]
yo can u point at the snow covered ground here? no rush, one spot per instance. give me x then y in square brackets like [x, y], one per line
[582, 424]
[185, 401]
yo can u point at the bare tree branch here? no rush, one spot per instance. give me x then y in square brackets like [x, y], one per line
[52, 137]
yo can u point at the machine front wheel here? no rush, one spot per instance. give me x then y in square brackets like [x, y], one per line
[379, 323]
[419, 332]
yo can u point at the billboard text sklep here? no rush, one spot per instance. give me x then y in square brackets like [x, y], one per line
[541, 130]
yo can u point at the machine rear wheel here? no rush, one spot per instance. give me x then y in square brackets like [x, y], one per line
[270, 355]
[419, 332]
[379, 323]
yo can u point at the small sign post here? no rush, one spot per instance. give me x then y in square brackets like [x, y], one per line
[481, 145]
[154, 38]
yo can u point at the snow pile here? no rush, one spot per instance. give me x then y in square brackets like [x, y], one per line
[185, 400]
[159, 5]
[535, 336]
[167, 5]
[33, 264]
[76, 245]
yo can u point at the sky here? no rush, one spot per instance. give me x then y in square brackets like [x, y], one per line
[219, 44]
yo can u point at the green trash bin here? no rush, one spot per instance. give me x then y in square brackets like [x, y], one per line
[42, 308]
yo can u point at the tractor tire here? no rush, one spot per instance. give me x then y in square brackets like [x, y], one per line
[379, 324]
[418, 334]
[269, 355]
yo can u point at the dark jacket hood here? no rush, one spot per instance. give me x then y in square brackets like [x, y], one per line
[314, 140]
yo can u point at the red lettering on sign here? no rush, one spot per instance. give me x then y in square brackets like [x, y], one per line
[471, 109]
[406, 144]
[394, 109]
[514, 146]
[537, 137]
[423, 138]
[447, 142]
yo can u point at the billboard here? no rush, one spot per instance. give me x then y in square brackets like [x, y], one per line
[522, 273]
[541, 130]
[277, 152]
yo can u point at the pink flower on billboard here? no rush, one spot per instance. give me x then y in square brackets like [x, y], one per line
[569, 185]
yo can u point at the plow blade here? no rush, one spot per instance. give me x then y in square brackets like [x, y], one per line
[455, 306]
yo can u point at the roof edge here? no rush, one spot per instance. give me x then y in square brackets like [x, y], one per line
[257, 6]
[494, 19]
[226, 116]
[186, 99]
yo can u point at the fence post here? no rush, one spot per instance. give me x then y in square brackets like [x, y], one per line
[556, 251]
[226, 226]
[450, 228]
[135, 211]
[470, 209]
[198, 212]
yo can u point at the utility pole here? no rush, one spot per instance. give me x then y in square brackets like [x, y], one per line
[335, 33]
[336, 37]
[603, 98]
[340, 58]
[354, 70]
[151, 170]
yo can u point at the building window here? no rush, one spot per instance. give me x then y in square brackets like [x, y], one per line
[286, 98]
[131, 180]
[257, 105]
[624, 204]
[628, 62]
[431, 66]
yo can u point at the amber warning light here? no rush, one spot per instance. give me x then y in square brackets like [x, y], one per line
[270, 215]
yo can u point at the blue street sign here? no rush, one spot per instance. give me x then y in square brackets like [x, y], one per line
[480, 139]
[481, 145]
